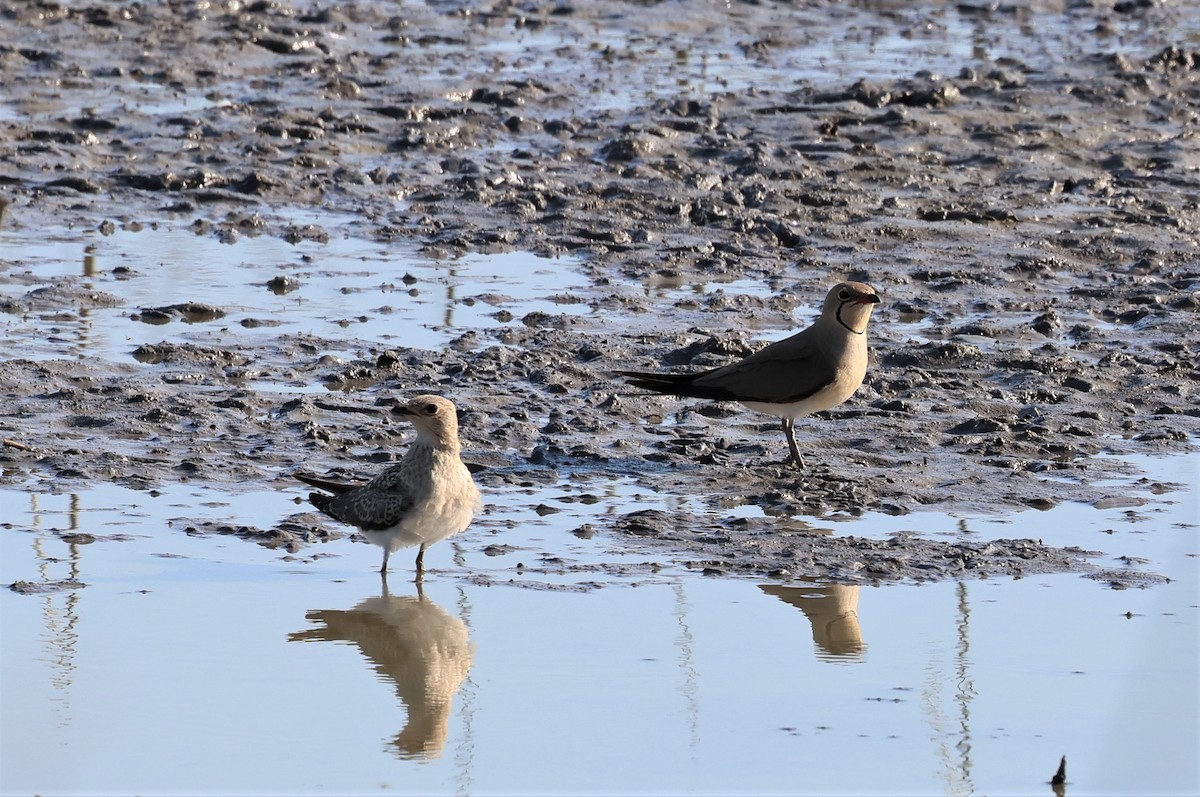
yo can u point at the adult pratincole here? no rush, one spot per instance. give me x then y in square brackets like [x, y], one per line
[427, 496]
[811, 371]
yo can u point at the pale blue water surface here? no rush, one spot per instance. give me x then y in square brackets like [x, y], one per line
[342, 287]
[213, 665]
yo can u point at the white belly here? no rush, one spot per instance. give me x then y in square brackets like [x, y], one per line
[829, 397]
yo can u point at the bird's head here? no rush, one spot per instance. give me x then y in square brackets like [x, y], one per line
[849, 304]
[434, 417]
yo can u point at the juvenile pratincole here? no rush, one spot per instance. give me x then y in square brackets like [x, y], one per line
[811, 371]
[427, 496]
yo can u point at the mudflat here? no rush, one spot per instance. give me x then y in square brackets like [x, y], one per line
[1020, 185]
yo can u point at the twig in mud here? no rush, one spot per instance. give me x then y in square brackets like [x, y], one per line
[325, 405]
[14, 444]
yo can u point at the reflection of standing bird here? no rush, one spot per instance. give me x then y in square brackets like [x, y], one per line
[833, 612]
[417, 645]
[427, 496]
[811, 371]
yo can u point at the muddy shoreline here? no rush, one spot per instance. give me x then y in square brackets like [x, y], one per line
[1028, 215]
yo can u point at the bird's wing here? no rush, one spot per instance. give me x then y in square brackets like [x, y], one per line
[369, 509]
[789, 370]
[771, 381]
[337, 488]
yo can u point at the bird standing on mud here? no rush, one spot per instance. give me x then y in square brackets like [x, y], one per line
[427, 496]
[811, 371]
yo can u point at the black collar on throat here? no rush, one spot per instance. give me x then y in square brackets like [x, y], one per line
[844, 324]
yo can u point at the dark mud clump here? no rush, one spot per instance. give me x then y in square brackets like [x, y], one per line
[291, 534]
[45, 587]
[763, 547]
[1026, 208]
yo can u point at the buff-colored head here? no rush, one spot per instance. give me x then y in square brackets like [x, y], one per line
[849, 305]
[434, 417]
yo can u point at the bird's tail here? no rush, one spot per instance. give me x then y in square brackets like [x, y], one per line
[682, 385]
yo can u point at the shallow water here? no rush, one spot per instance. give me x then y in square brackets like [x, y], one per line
[531, 670]
[345, 287]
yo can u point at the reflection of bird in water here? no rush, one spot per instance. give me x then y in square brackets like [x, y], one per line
[414, 643]
[833, 612]
[428, 496]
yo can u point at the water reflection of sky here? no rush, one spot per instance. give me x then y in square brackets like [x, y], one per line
[345, 288]
[182, 643]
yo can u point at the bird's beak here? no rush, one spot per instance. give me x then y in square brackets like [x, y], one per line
[867, 298]
[402, 409]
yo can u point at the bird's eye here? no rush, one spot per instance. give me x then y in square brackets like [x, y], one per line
[431, 409]
[844, 295]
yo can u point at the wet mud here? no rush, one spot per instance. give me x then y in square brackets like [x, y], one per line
[1026, 206]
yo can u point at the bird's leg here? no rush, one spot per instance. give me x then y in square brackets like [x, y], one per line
[421, 562]
[789, 429]
[383, 570]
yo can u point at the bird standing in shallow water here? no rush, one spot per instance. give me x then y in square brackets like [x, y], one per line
[811, 371]
[427, 496]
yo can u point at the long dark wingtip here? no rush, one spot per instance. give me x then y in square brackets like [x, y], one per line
[321, 502]
[651, 385]
[337, 488]
[659, 379]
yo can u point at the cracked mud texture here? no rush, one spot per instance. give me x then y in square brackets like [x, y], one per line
[1026, 206]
